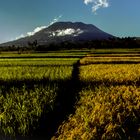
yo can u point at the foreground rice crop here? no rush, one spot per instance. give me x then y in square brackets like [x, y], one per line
[105, 113]
[29, 93]
[20, 109]
[63, 98]
[109, 105]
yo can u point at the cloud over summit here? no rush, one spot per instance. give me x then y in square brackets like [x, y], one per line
[55, 19]
[39, 28]
[68, 31]
[97, 4]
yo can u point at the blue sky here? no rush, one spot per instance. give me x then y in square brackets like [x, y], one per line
[118, 17]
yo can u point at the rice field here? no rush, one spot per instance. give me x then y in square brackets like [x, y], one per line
[105, 113]
[29, 87]
[109, 101]
[67, 95]
[111, 73]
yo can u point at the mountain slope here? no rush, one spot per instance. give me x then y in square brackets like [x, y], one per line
[63, 31]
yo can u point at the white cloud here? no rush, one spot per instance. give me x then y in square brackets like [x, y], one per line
[68, 31]
[65, 32]
[55, 20]
[21, 36]
[37, 29]
[88, 1]
[97, 4]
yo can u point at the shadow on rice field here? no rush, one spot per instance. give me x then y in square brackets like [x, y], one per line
[67, 96]
[49, 103]
[87, 99]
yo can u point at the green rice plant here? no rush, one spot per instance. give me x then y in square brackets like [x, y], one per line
[21, 109]
[28, 90]
[30, 72]
[37, 61]
[59, 54]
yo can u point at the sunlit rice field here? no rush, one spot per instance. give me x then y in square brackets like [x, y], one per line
[109, 104]
[112, 73]
[91, 95]
[105, 113]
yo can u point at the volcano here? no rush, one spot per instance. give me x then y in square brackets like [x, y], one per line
[63, 31]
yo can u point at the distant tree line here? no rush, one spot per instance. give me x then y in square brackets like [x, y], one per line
[127, 42]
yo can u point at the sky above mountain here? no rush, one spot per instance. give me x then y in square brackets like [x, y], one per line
[19, 18]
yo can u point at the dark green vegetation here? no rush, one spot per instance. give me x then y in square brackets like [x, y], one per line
[111, 43]
[72, 94]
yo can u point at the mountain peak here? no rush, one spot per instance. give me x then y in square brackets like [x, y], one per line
[74, 25]
[63, 31]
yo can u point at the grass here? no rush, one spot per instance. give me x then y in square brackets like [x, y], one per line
[105, 113]
[30, 87]
[21, 108]
[111, 73]
[109, 106]
[116, 51]
[49, 54]
[120, 59]
[95, 97]
[17, 73]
